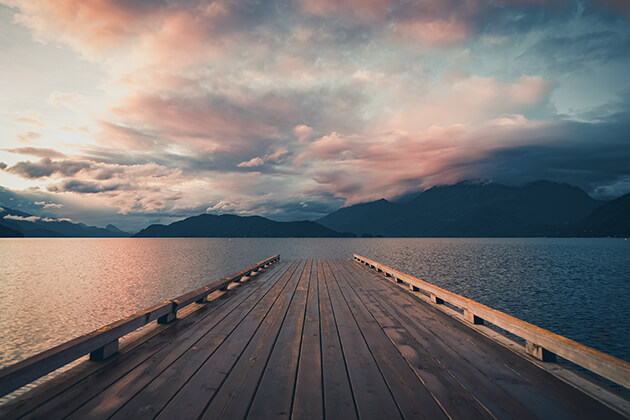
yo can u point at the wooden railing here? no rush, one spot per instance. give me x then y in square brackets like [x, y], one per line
[103, 343]
[540, 343]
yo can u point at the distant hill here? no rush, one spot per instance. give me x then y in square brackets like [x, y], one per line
[35, 226]
[611, 219]
[468, 209]
[7, 232]
[231, 226]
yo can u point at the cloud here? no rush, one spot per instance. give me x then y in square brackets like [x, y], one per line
[27, 136]
[34, 219]
[434, 32]
[22, 218]
[37, 151]
[302, 132]
[276, 154]
[251, 163]
[63, 98]
[48, 205]
[29, 120]
[83, 187]
[47, 167]
[364, 10]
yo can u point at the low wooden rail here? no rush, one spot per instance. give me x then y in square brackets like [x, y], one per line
[103, 343]
[540, 343]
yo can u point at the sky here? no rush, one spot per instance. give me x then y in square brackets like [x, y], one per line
[145, 111]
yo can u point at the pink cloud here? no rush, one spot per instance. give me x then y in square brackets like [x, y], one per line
[365, 10]
[371, 166]
[302, 132]
[29, 120]
[199, 122]
[145, 32]
[28, 137]
[529, 90]
[434, 32]
[464, 99]
[88, 25]
[251, 163]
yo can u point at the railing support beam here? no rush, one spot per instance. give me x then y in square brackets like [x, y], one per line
[105, 352]
[472, 318]
[436, 299]
[168, 318]
[539, 352]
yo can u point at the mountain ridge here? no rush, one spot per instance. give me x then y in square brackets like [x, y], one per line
[43, 227]
[232, 226]
[469, 209]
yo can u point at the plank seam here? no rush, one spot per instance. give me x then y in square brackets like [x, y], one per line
[275, 340]
[343, 353]
[297, 368]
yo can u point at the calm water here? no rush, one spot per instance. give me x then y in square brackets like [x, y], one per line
[54, 289]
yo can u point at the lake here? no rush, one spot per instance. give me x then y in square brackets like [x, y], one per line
[52, 290]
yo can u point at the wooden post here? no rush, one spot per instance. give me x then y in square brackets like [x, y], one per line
[169, 317]
[204, 299]
[436, 299]
[539, 352]
[104, 352]
[413, 288]
[399, 280]
[472, 318]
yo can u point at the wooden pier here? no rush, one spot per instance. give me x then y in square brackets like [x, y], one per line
[315, 339]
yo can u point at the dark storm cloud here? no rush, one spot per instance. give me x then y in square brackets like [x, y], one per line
[83, 187]
[591, 156]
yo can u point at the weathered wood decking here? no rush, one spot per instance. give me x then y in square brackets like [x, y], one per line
[312, 339]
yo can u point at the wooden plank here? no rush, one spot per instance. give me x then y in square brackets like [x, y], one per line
[308, 400]
[338, 397]
[485, 367]
[232, 400]
[185, 331]
[274, 395]
[373, 397]
[153, 383]
[426, 327]
[607, 366]
[410, 394]
[211, 355]
[426, 354]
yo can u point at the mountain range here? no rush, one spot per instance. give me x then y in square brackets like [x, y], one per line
[227, 225]
[466, 209]
[17, 223]
[469, 209]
